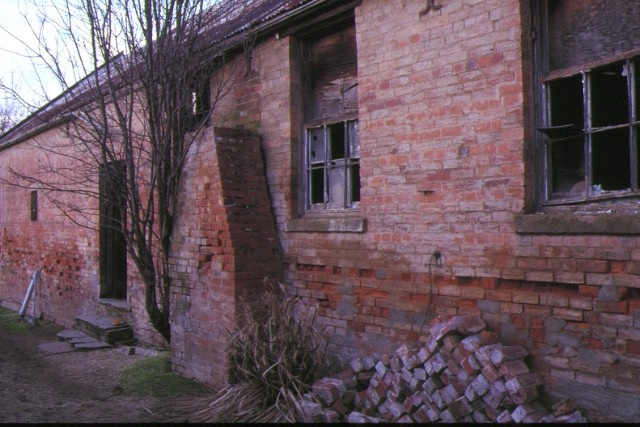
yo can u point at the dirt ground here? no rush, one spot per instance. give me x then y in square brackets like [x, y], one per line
[74, 387]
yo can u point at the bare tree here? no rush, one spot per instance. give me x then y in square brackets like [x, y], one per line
[147, 90]
[9, 114]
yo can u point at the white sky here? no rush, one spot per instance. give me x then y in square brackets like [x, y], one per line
[15, 69]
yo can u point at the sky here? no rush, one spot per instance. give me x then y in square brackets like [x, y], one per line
[17, 70]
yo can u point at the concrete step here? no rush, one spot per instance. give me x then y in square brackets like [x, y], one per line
[104, 329]
[71, 340]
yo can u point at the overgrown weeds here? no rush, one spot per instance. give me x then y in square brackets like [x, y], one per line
[275, 355]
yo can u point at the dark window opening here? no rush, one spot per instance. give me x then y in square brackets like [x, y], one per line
[607, 136]
[334, 180]
[198, 106]
[611, 160]
[34, 205]
[588, 55]
[609, 96]
[113, 254]
[329, 77]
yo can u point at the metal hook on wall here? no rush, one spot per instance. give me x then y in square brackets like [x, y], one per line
[431, 4]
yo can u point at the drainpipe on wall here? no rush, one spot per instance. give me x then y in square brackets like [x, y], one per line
[27, 297]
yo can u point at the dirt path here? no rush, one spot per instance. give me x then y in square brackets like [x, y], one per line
[70, 387]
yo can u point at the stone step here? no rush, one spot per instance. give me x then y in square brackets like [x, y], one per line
[104, 329]
[72, 340]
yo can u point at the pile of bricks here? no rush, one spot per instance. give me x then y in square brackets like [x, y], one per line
[461, 374]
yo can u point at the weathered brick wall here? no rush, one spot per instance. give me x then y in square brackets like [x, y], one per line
[224, 246]
[447, 164]
[67, 253]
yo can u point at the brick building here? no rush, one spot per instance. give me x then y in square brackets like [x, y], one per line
[391, 161]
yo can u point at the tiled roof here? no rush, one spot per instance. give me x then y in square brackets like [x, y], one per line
[252, 14]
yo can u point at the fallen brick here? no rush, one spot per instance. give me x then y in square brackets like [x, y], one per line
[329, 416]
[423, 354]
[480, 417]
[329, 390]
[347, 377]
[435, 364]
[420, 415]
[453, 366]
[513, 369]
[449, 394]
[359, 399]
[403, 350]
[480, 385]
[357, 365]
[464, 378]
[442, 325]
[504, 417]
[433, 412]
[483, 354]
[524, 395]
[381, 368]
[446, 376]
[525, 380]
[369, 363]
[470, 393]
[488, 338]
[395, 363]
[459, 408]
[311, 410]
[450, 341]
[524, 410]
[447, 417]
[377, 394]
[360, 418]
[491, 373]
[420, 374]
[472, 325]
[507, 353]
[494, 396]
[396, 410]
[411, 404]
[432, 384]
[436, 396]
[470, 365]
[410, 360]
[364, 377]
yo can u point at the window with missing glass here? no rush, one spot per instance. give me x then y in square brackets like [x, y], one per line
[588, 68]
[333, 165]
[330, 102]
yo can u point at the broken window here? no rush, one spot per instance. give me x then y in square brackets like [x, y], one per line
[333, 165]
[332, 143]
[198, 106]
[589, 67]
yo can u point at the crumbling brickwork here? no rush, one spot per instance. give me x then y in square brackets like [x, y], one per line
[447, 164]
[225, 245]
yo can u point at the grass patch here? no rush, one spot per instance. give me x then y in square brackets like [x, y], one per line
[153, 377]
[12, 323]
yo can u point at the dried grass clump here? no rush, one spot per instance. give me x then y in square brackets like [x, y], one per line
[275, 354]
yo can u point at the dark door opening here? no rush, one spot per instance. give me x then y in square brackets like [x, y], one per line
[113, 253]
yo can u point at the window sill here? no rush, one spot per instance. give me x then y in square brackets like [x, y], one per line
[568, 223]
[327, 225]
[121, 304]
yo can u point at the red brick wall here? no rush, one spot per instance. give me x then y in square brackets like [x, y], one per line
[224, 246]
[447, 163]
